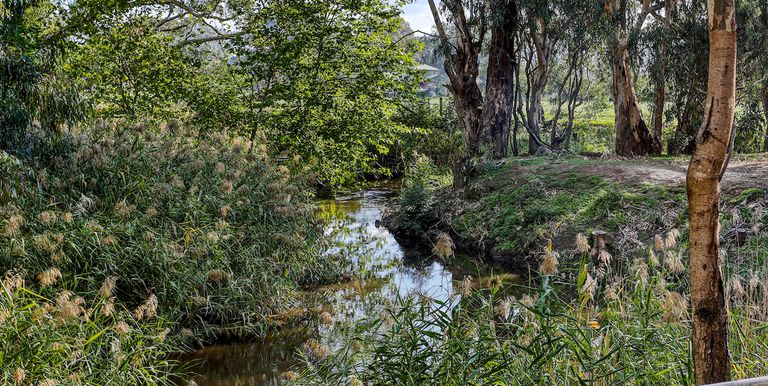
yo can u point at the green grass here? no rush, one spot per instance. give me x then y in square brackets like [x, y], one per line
[546, 205]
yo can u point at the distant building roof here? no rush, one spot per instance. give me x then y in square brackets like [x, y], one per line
[426, 67]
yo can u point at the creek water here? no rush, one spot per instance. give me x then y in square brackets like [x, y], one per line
[387, 273]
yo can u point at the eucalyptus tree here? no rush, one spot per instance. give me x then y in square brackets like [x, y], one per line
[570, 79]
[500, 84]
[484, 119]
[539, 42]
[468, 28]
[678, 48]
[627, 20]
[710, 319]
[556, 36]
[661, 62]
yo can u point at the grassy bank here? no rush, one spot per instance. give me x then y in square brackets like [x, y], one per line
[134, 232]
[511, 210]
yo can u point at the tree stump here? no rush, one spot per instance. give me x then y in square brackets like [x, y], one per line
[599, 242]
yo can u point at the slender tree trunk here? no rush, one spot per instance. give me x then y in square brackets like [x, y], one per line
[534, 119]
[500, 85]
[515, 103]
[765, 112]
[710, 324]
[661, 95]
[658, 116]
[573, 103]
[523, 102]
[515, 144]
[537, 71]
[632, 137]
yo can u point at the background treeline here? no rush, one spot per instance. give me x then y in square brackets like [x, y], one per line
[336, 81]
[543, 74]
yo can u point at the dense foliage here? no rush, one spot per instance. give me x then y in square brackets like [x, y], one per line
[218, 238]
[29, 88]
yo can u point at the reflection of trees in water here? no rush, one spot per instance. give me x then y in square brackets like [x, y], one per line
[385, 279]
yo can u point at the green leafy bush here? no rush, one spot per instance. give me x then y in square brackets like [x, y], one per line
[436, 135]
[417, 197]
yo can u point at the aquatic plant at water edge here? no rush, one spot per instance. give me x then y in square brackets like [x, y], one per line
[597, 324]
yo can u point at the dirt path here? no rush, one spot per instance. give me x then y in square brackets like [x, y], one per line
[740, 175]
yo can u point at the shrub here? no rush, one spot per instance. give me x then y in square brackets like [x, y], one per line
[417, 196]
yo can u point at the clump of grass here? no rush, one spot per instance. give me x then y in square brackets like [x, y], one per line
[60, 337]
[599, 324]
[188, 226]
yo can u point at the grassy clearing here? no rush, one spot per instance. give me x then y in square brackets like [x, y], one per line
[509, 211]
[546, 206]
[216, 238]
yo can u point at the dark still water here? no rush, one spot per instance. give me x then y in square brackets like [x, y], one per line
[387, 274]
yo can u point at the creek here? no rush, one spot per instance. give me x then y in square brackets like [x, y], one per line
[387, 272]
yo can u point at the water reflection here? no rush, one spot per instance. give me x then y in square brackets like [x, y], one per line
[385, 276]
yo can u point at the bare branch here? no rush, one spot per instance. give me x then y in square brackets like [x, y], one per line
[440, 29]
[207, 39]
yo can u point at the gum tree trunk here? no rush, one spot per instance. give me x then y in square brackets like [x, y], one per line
[537, 85]
[500, 88]
[535, 44]
[461, 65]
[710, 324]
[632, 137]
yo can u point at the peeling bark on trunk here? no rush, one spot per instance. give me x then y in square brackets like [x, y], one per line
[468, 102]
[710, 324]
[461, 66]
[500, 88]
[632, 137]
